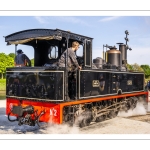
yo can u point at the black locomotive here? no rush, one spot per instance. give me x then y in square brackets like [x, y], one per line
[99, 91]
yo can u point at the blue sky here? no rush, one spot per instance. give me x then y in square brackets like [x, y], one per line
[104, 29]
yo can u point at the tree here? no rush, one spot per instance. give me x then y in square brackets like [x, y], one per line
[146, 69]
[137, 67]
[32, 62]
[12, 55]
[5, 61]
[134, 67]
[129, 67]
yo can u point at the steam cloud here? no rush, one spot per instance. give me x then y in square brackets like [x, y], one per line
[140, 109]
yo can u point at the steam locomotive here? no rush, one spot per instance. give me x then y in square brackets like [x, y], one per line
[48, 93]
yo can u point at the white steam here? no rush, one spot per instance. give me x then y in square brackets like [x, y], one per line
[60, 129]
[140, 109]
[7, 127]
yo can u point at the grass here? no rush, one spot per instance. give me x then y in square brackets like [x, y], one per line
[2, 84]
[2, 97]
[2, 89]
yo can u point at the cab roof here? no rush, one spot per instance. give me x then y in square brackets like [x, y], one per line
[25, 36]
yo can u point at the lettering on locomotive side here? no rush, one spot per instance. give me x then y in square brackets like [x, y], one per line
[53, 112]
[129, 82]
[95, 83]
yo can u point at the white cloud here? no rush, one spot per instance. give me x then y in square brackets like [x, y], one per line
[41, 20]
[73, 20]
[109, 19]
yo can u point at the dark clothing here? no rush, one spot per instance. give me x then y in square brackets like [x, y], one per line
[21, 60]
[148, 85]
[72, 62]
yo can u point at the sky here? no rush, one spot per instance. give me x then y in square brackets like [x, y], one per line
[103, 29]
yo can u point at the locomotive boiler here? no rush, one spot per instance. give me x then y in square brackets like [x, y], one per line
[48, 93]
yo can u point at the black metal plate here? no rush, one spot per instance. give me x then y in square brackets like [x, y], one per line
[42, 85]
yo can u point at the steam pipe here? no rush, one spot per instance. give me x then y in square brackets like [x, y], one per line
[66, 71]
[105, 53]
[16, 49]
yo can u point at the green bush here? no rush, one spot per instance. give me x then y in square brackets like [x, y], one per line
[2, 84]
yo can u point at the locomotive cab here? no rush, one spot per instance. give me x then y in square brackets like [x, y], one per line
[48, 46]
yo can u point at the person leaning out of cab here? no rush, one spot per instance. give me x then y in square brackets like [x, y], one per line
[72, 61]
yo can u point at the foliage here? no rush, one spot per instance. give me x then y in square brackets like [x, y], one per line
[5, 61]
[2, 84]
[12, 55]
[134, 67]
[146, 69]
[129, 67]
[32, 62]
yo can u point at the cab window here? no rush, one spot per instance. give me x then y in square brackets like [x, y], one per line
[79, 52]
[53, 52]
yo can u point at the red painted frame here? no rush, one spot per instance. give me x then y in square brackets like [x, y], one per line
[54, 112]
